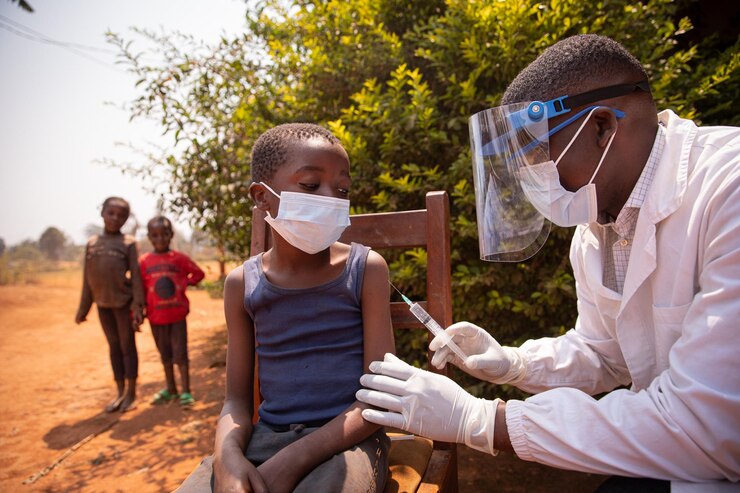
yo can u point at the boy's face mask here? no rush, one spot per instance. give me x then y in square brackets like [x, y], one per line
[309, 222]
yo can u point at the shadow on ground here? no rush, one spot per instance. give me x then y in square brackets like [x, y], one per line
[482, 473]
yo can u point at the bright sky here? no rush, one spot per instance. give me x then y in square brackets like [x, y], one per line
[54, 120]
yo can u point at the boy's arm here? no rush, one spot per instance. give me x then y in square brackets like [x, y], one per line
[232, 471]
[193, 273]
[285, 469]
[86, 299]
[137, 285]
[143, 262]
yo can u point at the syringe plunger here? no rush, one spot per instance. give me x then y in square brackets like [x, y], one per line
[431, 324]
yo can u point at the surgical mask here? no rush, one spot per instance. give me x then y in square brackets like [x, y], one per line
[541, 185]
[309, 222]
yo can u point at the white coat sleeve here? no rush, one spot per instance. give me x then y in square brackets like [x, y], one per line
[686, 424]
[587, 358]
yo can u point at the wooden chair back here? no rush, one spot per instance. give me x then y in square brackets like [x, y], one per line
[425, 228]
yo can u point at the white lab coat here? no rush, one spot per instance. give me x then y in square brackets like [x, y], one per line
[674, 335]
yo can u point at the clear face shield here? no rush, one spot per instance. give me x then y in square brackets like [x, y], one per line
[505, 142]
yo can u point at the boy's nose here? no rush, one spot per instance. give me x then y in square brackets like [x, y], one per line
[329, 191]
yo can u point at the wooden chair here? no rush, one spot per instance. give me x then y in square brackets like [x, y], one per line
[416, 465]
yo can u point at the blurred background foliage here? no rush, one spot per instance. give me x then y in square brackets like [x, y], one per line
[396, 81]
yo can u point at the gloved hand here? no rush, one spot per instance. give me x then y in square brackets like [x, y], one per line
[487, 359]
[427, 404]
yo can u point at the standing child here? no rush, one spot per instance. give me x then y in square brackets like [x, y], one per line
[313, 313]
[112, 280]
[166, 274]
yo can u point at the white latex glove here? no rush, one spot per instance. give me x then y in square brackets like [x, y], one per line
[426, 404]
[487, 359]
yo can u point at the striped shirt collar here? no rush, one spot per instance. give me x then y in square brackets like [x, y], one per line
[628, 214]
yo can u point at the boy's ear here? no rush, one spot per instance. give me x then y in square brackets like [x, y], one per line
[258, 192]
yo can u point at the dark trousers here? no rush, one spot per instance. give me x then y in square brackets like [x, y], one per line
[620, 484]
[362, 468]
[172, 342]
[119, 332]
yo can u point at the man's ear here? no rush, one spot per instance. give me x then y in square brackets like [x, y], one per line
[258, 192]
[606, 125]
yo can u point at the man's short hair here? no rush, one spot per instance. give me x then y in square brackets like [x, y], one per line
[571, 66]
[271, 149]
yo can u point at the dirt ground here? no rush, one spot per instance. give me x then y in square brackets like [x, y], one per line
[56, 378]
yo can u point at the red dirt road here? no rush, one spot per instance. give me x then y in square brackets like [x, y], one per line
[55, 379]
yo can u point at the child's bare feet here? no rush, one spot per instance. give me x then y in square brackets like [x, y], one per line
[114, 405]
[128, 403]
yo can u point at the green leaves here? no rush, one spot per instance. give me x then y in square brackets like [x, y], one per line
[396, 82]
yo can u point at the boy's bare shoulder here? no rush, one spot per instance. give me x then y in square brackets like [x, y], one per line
[376, 264]
[129, 240]
[235, 277]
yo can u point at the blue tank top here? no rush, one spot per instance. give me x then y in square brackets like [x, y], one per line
[309, 343]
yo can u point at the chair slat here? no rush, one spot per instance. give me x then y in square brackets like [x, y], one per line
[403, 229]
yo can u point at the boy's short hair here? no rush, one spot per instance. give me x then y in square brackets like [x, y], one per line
[571, 66]
[159, 221]
[123, 202]
[271, 148]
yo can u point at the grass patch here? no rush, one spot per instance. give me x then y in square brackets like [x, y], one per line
[26, 271]
[215, 289]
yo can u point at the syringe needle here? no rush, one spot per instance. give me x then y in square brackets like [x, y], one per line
[423, 316]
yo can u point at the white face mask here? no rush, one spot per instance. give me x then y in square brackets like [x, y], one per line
[541, 185]
[309, 222]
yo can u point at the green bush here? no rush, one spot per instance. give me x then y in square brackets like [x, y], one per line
[22, 264]
[397, 82]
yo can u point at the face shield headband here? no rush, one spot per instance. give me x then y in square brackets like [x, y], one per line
[505, 139]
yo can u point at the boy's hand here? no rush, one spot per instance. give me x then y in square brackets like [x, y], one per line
[237, 475]
[137, 320]
[276, 474]
[79, 318]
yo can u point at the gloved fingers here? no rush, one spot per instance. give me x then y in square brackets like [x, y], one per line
[442, 356]
[393, 367]
[488, 364]
[455, 332]
[392, 420]
[384, 384]
[438, 342]
[379, 399]
[475, 361]
[463, 329]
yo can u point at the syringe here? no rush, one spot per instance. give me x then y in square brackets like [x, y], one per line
[431, 324]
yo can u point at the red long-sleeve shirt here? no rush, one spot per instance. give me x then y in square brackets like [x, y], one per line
[166, 276]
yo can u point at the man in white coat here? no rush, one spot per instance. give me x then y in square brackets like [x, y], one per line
[656, 258]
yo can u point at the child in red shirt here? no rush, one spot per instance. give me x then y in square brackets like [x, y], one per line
[166, 274]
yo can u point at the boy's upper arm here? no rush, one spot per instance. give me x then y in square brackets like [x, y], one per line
[376, 314]
[240, 353]
[195, 273]
[137, 282]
